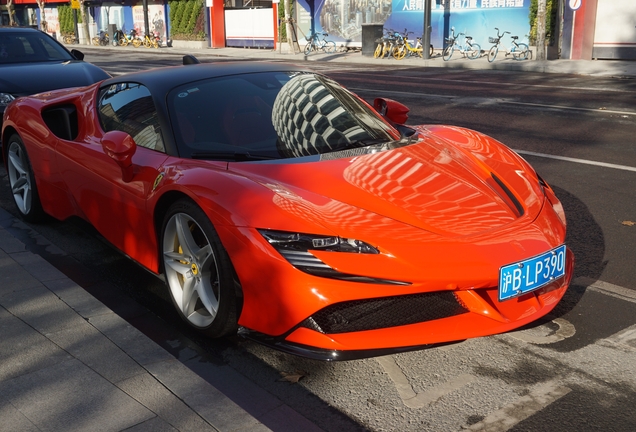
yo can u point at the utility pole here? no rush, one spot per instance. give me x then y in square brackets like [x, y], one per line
[426, 33]
[541, 11]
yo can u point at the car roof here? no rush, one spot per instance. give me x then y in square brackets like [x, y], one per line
[4, 29]
[164, 79]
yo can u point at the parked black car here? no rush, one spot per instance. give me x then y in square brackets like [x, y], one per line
[32, 62]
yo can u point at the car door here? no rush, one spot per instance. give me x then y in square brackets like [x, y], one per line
[114, 206]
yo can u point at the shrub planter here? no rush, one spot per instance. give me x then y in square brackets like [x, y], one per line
[176, 43]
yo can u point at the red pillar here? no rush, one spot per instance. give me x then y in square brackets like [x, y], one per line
[217, 24]
[583, 30]
[275, 9]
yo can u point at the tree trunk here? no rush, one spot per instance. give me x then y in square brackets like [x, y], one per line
[288, 26]
[87, 35]
[541, 11]
[11, 12]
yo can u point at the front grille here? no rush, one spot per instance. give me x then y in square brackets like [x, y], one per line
[372, 314]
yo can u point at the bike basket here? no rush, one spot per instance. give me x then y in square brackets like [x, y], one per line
[492, 40]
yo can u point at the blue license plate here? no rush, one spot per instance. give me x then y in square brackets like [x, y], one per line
[531, 274]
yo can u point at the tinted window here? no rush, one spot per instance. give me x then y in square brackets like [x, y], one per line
[272, 115]
[128, 107]
[26, 47]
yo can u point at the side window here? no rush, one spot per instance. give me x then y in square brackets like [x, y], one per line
[128, 107]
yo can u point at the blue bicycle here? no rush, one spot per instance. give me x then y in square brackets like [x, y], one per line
[315, 43]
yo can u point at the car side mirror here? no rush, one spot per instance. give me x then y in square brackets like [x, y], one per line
[391, 110]
[120, 147]
[77, 54]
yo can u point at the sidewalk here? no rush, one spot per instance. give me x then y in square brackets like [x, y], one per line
[599, 68]
[68, 363]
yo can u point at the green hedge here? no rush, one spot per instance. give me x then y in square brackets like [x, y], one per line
[550, 20]
[187, 19]
[67, 23]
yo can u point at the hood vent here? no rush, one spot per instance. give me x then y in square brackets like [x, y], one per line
[511, 197]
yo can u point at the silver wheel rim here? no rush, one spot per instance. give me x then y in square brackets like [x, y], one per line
[191, 270]
[19, 178]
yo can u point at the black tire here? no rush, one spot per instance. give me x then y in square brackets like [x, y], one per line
[430, 52]
[308, 48]
[22, 181]
[198, 270]
[448, 53]
[492, 54]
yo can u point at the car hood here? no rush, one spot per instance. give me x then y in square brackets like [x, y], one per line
[434, 185]
[31, 78]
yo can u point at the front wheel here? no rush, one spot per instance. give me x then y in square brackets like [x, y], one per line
[492, 54]
[198, 270]
[521, 52]
[136, 42]
[378, 51]
[448, 53]
[430, 52]
[308, 48]
[22, 181]
[400, 52]
[473, 51]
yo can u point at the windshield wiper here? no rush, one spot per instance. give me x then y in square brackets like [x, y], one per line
[238, 156]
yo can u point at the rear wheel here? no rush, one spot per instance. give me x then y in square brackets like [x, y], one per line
[136, 42]
[473, 51]
[448, 53]
[492, 54]
[22, 181]
[329, 47]
[521, 53]
[198, 270]
[123, 41]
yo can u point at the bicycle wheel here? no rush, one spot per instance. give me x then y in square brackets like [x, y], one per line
[123, 41]
[308, 48]
[521, 53]
[136, 42]
[473, 51]
[400, 52]
[95, 40]
[378, 51]
[448, 53]
[155, 43]
[430, 52]
[329, 47]
[492, 54]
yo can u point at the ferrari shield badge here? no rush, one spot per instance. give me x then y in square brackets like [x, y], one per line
[157, 181]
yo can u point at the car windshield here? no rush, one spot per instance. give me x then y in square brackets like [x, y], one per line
[272, 115]
[30, 47]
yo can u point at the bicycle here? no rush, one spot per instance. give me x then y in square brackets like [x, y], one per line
[70, 39]
[404, 47]
[151, 41]
[469, 49]
[388, 44]
[102, 39]
[519, 51]
[122, 39]
[316, 44]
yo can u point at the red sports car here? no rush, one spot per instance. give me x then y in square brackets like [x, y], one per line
[279, 204]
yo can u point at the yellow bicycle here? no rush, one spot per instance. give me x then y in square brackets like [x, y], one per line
[151, 41]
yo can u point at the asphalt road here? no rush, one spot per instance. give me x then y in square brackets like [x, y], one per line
[575, 371]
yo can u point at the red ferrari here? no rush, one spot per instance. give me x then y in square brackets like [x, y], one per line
[280, 205]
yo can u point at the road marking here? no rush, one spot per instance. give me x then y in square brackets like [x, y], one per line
[543, 335]
[626, 338]
[540, 397]
[576, 160]
[419, 400]
[495, 100]
[606, 288]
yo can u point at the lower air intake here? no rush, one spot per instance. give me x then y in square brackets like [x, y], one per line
[373, 314]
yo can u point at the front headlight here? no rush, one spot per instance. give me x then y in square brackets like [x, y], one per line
[296, 247]
[304, 242]
[6, 99]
